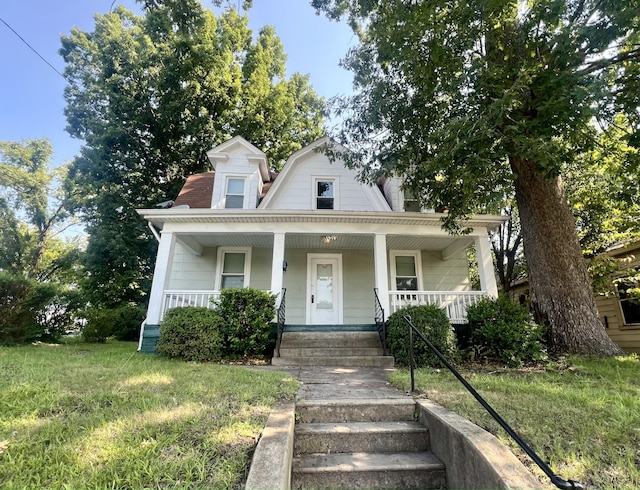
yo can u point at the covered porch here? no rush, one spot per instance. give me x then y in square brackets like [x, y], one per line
[337, 268]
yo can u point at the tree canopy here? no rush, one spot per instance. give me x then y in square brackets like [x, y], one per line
[475, 100]
[149, 95]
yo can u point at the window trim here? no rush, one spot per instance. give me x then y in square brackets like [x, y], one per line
[407, 196]
[417, 255]
[220, 264]
[314, 194]
[228, 178]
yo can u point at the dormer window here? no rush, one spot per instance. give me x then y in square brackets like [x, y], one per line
[325, 194]
[234, 197]
[411, 204]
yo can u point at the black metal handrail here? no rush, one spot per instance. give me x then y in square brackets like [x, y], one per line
[280, 316]
[555, 479]
[379, 319]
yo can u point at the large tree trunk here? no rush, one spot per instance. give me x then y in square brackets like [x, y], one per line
[561, 291]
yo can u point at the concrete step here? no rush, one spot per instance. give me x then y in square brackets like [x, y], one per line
[356, 410]
[347, 361]
[329, 336]
[371, 437]
[368, 470]
[328, 351]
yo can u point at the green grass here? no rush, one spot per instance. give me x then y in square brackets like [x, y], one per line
[85, 416]
[582, 416]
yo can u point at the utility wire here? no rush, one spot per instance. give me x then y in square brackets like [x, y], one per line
[32, 48]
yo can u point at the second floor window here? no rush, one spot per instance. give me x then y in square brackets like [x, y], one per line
[234, 198]
[324, 194]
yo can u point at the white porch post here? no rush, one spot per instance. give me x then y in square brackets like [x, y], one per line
[160, 276]
[381, 268]
[485, 265]
[277, 274]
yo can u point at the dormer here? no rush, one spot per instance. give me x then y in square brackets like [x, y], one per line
[240, 172]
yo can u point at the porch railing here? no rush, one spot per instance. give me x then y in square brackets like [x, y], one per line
[455, 303]
[379, 319]
[176, 298]
[280, 315]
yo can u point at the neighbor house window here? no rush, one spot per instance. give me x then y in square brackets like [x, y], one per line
[234, 197]
[325, 194]
[629, 302]
[233, 268]
[405, 269]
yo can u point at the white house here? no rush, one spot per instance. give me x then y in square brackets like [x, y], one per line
[338, 252]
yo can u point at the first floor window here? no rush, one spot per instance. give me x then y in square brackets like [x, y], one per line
[629, 302]
[233, 268]
[235, 193]
[406, 270]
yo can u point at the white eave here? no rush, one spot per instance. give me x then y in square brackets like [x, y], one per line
[160, 217]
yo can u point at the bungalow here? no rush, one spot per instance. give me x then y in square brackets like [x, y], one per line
[341, 253]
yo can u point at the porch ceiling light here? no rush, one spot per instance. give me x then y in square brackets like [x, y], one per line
[329, 238]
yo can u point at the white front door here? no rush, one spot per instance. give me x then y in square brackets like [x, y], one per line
[324, 289]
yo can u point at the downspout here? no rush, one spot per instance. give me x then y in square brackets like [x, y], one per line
[154, 231]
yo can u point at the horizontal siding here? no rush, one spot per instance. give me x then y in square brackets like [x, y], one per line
[445, 275]
[261, 261]
[193, 272]
[359, 281]
[299, 192]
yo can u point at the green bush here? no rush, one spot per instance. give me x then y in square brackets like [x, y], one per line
[99, 325]
[192, 333]
[22, 300]
[504, 331]
[127, 321]
[247, 315]
[434, 324]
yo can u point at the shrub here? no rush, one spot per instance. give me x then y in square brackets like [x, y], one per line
[434, 324]
[99, 325]
[127, 321]
[504, 331]
[247, 315]
[21, 302]
[192, 333]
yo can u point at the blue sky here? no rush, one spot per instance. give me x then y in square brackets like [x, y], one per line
[31, 92]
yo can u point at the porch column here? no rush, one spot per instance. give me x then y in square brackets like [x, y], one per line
[381, 267]
[160, 276]
[485, 266]
[277, 274]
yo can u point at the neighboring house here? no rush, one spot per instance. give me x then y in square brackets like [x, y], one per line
[313, 230]
[618, 311]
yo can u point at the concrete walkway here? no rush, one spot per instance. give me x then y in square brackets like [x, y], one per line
[331, 383]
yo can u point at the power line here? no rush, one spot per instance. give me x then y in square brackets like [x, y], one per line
[32, 48]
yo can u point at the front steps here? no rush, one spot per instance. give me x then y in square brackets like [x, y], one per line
[331, 348]
[363, 444]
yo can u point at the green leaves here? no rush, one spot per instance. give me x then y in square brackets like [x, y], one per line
[149, 95]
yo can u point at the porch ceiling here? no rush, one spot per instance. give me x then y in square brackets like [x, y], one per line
[315, 241]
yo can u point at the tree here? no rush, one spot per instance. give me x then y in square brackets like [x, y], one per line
[149, 95]
[37, 265]
[474, 99]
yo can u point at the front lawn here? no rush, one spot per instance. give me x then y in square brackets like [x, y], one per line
[581, 415]
[90, 416]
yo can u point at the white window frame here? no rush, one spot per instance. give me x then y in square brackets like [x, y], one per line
[220, 264]
[417, 255]
[314, 193]
[407, 196]
[225, 190]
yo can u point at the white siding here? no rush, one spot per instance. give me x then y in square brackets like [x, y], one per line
[297, 192]
[193, 272]
[445, 275]
[261, 259]
[236, 166]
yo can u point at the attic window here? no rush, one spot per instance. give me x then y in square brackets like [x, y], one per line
[234, 198]
[324, 194]
[410, 202]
